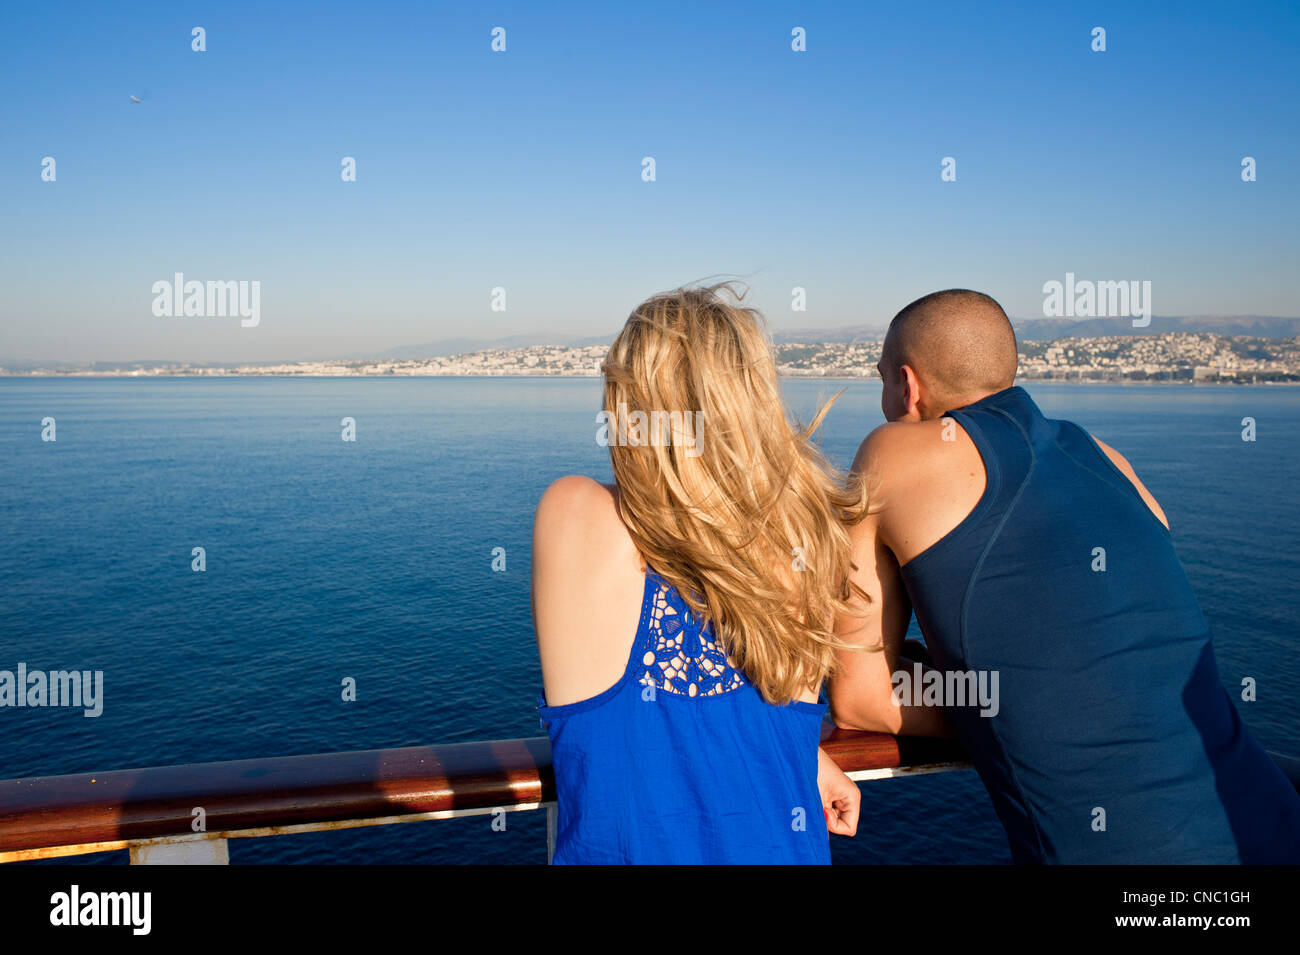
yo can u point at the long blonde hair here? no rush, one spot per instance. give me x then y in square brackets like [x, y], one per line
[724, 497]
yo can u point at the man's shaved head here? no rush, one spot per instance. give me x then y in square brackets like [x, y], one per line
[960, 344]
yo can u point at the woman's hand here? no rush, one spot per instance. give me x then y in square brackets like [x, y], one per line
[840, 796]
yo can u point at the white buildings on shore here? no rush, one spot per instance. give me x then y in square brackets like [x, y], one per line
[1175, 356]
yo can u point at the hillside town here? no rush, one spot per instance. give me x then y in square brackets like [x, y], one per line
[1175, 356]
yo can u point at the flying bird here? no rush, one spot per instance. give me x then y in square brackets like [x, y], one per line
[135, 99]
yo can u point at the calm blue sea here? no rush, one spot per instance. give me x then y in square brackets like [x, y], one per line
[328, 559]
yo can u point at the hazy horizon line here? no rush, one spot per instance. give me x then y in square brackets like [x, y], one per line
[563, 340]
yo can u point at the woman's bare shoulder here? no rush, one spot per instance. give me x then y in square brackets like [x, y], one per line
[587, 588]
[578, 534]
[579, 510]
[578, 492]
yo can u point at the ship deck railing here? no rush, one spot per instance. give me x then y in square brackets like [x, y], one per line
[153, 813]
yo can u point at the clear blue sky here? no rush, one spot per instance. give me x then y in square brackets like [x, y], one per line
[523, 169]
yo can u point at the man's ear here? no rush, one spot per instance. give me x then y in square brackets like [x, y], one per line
[911, 390]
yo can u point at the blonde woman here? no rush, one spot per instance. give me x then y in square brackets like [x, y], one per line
[684, 615]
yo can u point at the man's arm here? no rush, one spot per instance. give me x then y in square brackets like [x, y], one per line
[861, 688]
[1126, 469]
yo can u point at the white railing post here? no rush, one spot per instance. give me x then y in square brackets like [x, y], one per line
[551, 815]
[184, 852]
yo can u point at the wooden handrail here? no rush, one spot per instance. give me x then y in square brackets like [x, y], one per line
[859, 753]
[128, 805]
[136, 804]
[107, 810]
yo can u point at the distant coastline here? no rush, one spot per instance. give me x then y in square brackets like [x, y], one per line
[1019, 378]
[1171, 357]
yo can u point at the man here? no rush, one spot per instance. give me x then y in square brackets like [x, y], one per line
[1041, 569]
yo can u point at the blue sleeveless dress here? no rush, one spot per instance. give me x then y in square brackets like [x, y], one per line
[1115, 740]
[682, 761]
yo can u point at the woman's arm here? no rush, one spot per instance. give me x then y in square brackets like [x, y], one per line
[841, 798]
[587, 586]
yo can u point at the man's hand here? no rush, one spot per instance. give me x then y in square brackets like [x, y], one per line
[840, 796]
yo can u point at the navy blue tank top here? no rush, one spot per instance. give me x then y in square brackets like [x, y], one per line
[682, 761]
[1114, 740]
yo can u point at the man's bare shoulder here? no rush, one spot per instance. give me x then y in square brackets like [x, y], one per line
[899, 449]
[922, 478]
